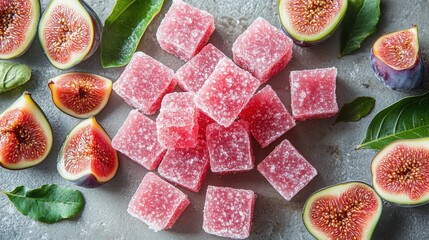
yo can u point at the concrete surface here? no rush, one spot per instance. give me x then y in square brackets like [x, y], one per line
[331, 149]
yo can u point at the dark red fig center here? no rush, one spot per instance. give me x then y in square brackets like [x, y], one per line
[405, 170]
[344, 217]
[21, 137]
[14, 19]
[312, 16]
[398, 50]
[66, 32]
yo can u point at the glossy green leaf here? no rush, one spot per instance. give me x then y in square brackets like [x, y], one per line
[360, 22]
[13, 75]
[356, 109]
[124, 28]
[48, 204]
[405, 119]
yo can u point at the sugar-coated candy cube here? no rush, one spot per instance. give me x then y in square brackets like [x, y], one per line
[137, 139]
[230, 148]
[157, 203]
[194, 73]
[186, 167]
[228, 212]
[185, 30]
[287, 170]
[144, 83]
[177, 122]
[268, 118]
[262, 50]
[313, 93]
[226, 92]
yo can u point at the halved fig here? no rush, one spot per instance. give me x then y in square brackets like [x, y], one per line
[18, 26]
[400, 172]
[87, 157]
[396, 60]
[310, 22]
[25, 134]
[69, 32]
[80, 95]
[348, 210]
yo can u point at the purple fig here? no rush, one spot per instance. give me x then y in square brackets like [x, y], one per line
[87, 157]
[19, 19]
[400, 172]
[396, 60]
[310, 23]
[69, 32]
[25, 134]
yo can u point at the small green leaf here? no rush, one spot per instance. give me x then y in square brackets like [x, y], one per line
[405, 119]
[13, 75]
[48, 204]
[124, 28]
[356, 109]
[360, 22]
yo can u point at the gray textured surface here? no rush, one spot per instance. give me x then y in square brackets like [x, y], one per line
[331, 149]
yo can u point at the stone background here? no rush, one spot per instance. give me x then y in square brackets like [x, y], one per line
[330, 148]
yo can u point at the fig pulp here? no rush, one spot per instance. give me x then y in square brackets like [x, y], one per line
[18, 25]
[400, 172]
[25, 134]
[87, 157]
[80, 95]
[311, 22]
[345, 211]
[396, 60]
[69, 32]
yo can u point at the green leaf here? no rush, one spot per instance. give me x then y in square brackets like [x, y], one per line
[48, 204]
[13, 75]
[405, 119]
[124, 28]
[355, 110]
[360, 22]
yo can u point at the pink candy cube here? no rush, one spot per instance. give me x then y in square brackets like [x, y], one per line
[287, 170]
[157, 203]
[230, 148]
[226, 92]
[186, 167]
[137, 139]
[185, 30]
[177, 122]
[228, 212]
[144, 83]
[313, 93]
[262, 50]
[194, 73]
[268, 118]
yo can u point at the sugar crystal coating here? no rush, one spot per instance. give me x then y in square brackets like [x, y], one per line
[144, 83]
[186, 167]
[177, 122]
[226, 92]
[185, 30]
[230, 148]
[287, 170]
[194, 73]
[268, 118]
[313, 93]
[137, 139]
[157, 203]
[228, 212]
[262, 50]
